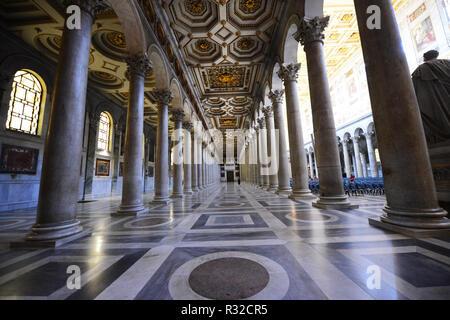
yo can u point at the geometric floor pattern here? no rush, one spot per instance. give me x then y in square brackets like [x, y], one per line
[227, 242]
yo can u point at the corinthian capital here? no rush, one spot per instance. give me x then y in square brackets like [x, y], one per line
[268, 111]
[162, 96]
[276, 96]
[187, 126]
[138, 64]
[177, 115]
[93, 7]
[262, 123]
[311, 30]
[289, 72]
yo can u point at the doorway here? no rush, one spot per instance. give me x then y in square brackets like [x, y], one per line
[230, 176]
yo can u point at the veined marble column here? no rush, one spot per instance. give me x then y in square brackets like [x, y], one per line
[348, 170]
[284, 184]
[187, 163]
[58, 194]
[332, 196]
[163, 98]
[359, 170]
[300, 188]
[177, 118]
[371, 153]
[260, 179]
[408, 178]
[263, 152]
[204, 164]
[138, 67]
[194, 163]
[271, 149]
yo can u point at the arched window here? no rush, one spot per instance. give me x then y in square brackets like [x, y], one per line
[104, 132]
[27, 97]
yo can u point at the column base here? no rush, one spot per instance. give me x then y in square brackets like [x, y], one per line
[195, 189]
[188, 193]
[161, 200]
[301, 195]
[177, 196]
[416, 218]
[283, 191]
[272, 188]
[336, 203]
[49, 243]
[130, 210]
[411, 232]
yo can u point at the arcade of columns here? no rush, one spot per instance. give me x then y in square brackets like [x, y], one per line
[409, 185]
[194, 160]
[412, 204]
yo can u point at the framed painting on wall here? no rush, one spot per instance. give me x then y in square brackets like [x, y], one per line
[18, 160]
[102, 167]
[423, 35]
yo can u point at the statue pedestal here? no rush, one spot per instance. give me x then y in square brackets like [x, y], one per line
[440, 162]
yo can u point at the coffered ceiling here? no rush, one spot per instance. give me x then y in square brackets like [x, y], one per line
[224, 43]
[39, 23]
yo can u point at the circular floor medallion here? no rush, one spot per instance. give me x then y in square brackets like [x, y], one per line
[148, 222]
[311, 217]
[229, 275]
[231, 278]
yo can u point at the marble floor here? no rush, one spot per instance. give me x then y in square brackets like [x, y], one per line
[226, 242]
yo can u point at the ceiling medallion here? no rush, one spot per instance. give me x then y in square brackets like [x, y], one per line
[249, 6]
[203, 45]
[226, 77]
[195, 7]
[104, 75]
[117, 39]
[245, 43]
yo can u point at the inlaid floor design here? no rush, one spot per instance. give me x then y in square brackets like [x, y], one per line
[228, 241]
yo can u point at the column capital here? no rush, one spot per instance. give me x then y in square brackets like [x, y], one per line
[177, 115]
[311, 30]
[268, 112]
[262, 123]
[369, 134]
[276, 96]
[289, 72]
[187, 126]
[256, 127]
[162, 96]
[356, 139]
[93, 7]
[138, 64]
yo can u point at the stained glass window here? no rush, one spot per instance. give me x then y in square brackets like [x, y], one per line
[25, 103]
[104, 132]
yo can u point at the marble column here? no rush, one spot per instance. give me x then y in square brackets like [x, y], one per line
[200, 165]
[359, 169]
[177, 189]
[116, 153]
[300, 188]
[271, 149]
[284, 185]
[58, 194]
[194, 156]
[263, 152]
[364, 165]
[163, 97]
[311, 164]
[187, 163]
[138, 67]
[94, 118]
[332, 196]
[371, 153]
[205, 184]
[348, 169]
[408, 178]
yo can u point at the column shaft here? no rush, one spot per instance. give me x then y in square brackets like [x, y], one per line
[409, 184]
